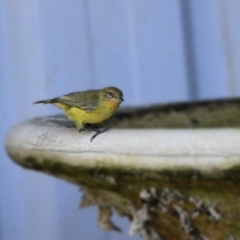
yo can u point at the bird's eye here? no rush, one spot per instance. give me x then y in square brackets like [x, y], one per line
[110, 94]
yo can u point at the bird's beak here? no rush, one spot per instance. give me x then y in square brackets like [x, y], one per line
[121, 98]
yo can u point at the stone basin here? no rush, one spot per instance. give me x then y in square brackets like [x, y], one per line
[173, 170]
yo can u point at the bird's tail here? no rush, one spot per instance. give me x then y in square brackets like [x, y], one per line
[46, 101]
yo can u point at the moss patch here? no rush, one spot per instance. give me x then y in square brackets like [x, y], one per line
[121, 188]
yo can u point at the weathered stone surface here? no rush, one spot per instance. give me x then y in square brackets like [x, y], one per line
[172, 183]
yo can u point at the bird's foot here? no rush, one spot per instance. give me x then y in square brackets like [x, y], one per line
[90, 127]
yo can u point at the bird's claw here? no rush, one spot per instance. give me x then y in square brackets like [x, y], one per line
[92, 128]
[98, 131]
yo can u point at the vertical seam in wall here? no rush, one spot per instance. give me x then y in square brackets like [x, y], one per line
[227, 48]
[89, 44]
[188, 41]
[134, 68]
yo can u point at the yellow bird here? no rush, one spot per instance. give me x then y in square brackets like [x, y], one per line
[89, 107]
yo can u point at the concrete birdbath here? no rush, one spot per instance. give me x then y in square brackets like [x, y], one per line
[173, 170]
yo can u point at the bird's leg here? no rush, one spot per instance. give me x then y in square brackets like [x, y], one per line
[90, 127]
[98, 131]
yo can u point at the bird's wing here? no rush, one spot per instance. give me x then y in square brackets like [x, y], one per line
[86, 100]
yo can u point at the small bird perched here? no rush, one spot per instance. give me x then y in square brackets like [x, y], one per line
[89, 107]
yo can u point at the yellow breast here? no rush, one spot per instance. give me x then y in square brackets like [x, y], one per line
[100, 113]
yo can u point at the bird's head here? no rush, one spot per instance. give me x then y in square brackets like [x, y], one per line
[112, 94]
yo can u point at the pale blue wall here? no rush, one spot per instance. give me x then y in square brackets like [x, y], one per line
[154, 50]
